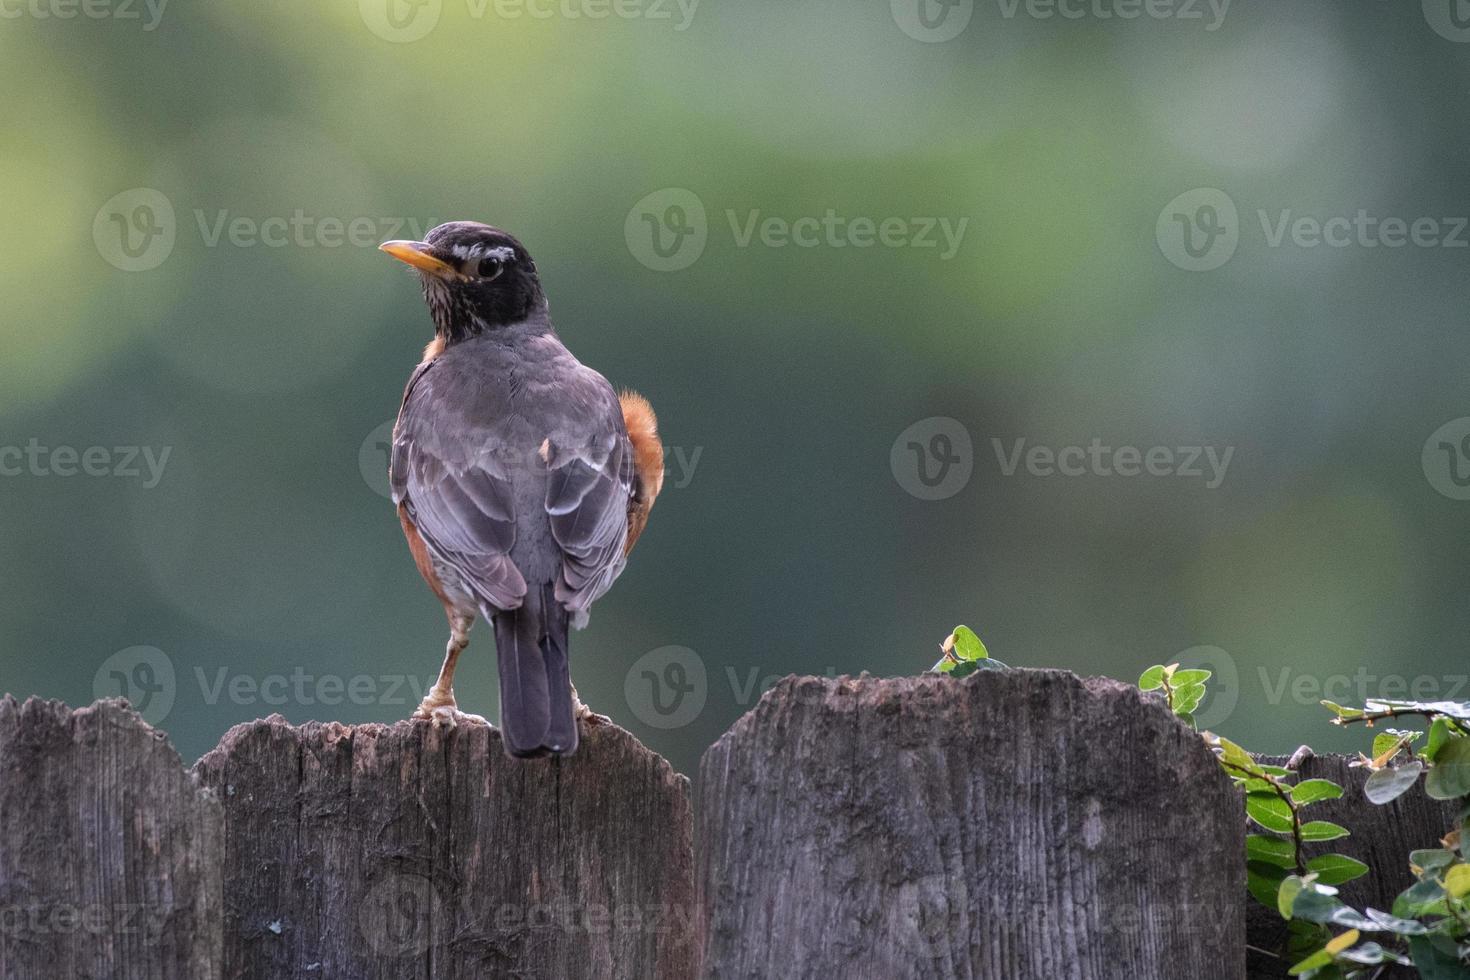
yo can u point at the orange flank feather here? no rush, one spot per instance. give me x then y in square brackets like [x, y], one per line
[648, 461]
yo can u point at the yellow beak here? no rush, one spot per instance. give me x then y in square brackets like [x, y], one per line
[417, 255]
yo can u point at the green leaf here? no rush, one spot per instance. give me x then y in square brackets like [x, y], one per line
[1286, 896]
[1313, 790]
[1188, 697]
[1432, 858]
[1439, 733]
[1272, 850]
[1318, 904]
[1270, 811]
[1449, 777]
[1263, 881]
[963, 653]
[1389, 923]
[1232, 755]
[1457, 881]
[1387, 785]
[1184, 678]
[968, 667]
[1334, 869]
[1341, 712]
[1436, 959]
[1152, 679]
[1382, 742]
[1316, 961]
[1320, 830]
[967, 645]
[1303, 937]
[1370, 954]
[1418, 898]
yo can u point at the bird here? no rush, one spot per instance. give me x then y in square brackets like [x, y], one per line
[521, 478]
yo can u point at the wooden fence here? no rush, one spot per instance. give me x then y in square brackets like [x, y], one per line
[1014, 824]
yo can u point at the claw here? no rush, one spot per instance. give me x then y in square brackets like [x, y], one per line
[590, 717]
[441, 711]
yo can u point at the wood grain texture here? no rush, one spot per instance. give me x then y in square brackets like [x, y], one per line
[401, 851]
[109, 851]
[1381, 837]
[1011, 825]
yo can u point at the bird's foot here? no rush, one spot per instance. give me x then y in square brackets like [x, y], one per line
[587, 715]
[439, 708]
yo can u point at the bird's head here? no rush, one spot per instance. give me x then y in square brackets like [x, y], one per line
[476, 278]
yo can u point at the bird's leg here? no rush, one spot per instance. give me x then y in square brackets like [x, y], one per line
[438, 704]
[583, 713]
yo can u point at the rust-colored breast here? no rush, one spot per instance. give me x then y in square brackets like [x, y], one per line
[421, 557]
[648, 462]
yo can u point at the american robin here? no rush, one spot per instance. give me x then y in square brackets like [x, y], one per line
[522, 479]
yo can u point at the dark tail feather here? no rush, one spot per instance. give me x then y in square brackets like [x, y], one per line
[535, 683]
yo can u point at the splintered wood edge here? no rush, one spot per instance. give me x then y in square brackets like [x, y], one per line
[846, 693]
[16, 715]
[603, 737]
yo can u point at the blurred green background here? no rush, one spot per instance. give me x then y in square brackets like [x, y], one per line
[176, 278]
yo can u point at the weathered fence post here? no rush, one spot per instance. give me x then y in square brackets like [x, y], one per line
[1380, 836]
[403, 852]
[109, 851]
[1013, 824]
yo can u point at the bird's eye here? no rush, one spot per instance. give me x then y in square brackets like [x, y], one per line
[490, 268]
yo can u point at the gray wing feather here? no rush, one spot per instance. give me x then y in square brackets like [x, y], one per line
[587, 500]
[461, 505]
